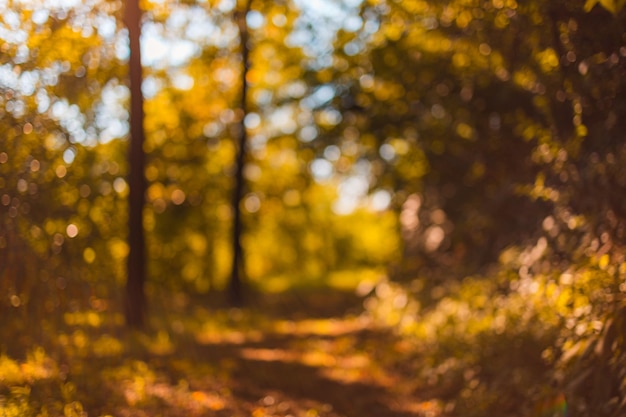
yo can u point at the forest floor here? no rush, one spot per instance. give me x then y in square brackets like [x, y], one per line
[301, 355]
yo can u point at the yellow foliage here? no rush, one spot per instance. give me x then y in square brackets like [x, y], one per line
[37, 366]
[107, 346]
[460, 60]
[88, 318]
[155, 191]
[89, 255]
[118, 248]
[10, 371]
[64, 44]
[197, 242]
[464, 18]
[548, 60]
[502, 20]
[525, 78]
[613, 6]
[465, 131]
[161, 113]
[603, 261]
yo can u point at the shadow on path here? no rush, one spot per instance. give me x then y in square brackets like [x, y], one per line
[323, 358]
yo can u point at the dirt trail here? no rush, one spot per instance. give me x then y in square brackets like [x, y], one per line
[322, 359]
[315, 356]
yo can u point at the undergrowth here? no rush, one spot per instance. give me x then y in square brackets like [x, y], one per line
[548, 343]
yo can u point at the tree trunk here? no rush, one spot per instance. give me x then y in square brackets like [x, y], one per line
[237, 270]
[135, 297]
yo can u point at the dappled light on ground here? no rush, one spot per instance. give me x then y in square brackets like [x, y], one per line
[293, 354]
[329, 327]
[217, 362]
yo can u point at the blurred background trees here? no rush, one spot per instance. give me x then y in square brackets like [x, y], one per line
[459, 147]
[66, 106]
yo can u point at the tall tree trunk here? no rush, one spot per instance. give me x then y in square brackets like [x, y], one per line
[237, 270]
[135, 296]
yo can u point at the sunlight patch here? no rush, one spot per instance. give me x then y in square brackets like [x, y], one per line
[215, 336]
[269, 355]
[322, 327]
[37, 366]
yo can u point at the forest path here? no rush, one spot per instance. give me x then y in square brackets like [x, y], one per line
[306, 355]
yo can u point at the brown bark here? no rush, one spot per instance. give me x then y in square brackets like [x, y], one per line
[135, 296]
[237, 269]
